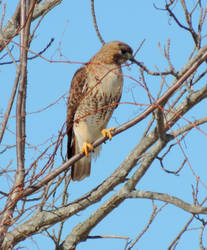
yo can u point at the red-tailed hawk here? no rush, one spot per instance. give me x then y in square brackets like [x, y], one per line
[95, 92]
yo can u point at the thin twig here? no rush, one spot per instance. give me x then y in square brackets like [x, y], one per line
[95, 22]
[32, 57]
[9, 107]
[152, 217]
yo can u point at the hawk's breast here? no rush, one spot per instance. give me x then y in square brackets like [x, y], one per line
[102, 97]
[104, 88]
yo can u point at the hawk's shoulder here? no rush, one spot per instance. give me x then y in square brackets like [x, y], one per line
[76, 91]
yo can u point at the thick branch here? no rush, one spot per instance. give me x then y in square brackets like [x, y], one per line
[81, 231]
[188, 127]
[177, 113]
[191, 208]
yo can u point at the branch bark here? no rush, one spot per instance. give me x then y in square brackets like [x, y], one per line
[12, 28]
[6, 220]
[190, 208]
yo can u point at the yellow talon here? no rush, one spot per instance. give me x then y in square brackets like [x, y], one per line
[85, 148]
[107, 132]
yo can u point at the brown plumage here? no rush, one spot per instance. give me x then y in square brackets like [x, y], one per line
[94, 94]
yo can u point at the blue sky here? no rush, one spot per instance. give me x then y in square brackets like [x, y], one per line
[70, 24]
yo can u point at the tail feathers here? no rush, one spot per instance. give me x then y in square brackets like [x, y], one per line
[82, 168]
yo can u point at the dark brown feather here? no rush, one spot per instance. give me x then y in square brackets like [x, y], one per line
[75, 95]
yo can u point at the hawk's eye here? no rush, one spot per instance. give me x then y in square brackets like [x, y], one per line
[124, 51]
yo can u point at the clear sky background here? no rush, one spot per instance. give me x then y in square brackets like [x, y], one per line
[71, 25]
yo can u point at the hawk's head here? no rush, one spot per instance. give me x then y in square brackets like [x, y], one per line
[114, 52]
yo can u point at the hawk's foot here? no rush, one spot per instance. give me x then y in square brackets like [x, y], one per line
[107, 132]
[86, 146]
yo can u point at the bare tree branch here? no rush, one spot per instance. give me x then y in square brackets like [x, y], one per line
[10, 104]
[12, 28]
[95, 22]
[152, 217]
[191, 208]
[6, 219]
